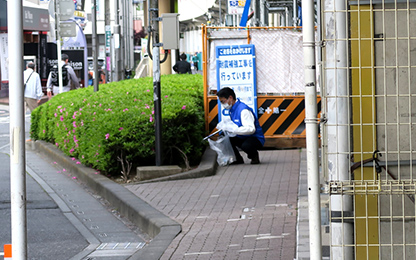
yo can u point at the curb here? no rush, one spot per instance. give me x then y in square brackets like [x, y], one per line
[159, 227]
[207, 167]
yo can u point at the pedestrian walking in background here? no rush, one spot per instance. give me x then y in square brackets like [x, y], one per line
[33, 88]
[182, 66]
[195, 61]
[248, 133]
[69, 78]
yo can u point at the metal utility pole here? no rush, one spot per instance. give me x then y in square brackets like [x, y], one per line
[220, 13]
[94, 43]
[17, 131]
[116, 38]
[107, 40]
[154, 22]
[128, 37]
[311, 122]
[58, 44]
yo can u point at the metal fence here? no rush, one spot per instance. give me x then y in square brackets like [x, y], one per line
[369, 127]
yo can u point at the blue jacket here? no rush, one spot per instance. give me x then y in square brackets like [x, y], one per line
[235, 114]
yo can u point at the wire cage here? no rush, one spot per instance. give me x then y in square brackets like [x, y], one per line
[368, 130]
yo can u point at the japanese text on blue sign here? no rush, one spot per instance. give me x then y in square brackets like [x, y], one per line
[236, 69]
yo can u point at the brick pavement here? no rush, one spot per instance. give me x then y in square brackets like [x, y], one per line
[243, 212]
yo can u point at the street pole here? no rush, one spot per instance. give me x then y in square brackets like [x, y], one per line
[107, 40]
[58, 45]
[116, 48]
[220, 13]
[154, 21]
[94, 44]
[311, 122]
[17, 131]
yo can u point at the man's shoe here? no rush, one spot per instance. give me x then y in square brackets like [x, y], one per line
[255, 160]
[237, 162]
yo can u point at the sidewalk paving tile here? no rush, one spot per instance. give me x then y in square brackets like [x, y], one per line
[242, 212]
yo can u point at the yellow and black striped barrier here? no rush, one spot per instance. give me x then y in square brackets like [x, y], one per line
[281, 117]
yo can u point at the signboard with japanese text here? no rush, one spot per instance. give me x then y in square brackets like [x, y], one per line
[236, 6]
[4, 57]
[236, 69]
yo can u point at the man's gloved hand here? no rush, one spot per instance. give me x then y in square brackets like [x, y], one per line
[227, 126]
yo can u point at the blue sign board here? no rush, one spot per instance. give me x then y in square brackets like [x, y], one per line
[236, 69]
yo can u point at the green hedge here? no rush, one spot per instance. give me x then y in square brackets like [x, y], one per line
[97, 128]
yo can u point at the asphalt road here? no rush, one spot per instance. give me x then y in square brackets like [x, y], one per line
[64, 220]
[50, 235]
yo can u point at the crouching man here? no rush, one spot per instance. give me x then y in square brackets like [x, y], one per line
[249, 135]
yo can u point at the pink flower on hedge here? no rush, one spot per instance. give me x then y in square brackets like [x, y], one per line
[75, 140]
[43, 130]
[121, 128]
[127, 93]
[56, 144]
[184, 107]
[57, 124]
[59, 106]
[82, 123]
[148, 90]
[71, 151]
[151, 119]
[124, 110]
[94, 114]
[107, 136]
[166, 96]
[147, 106]
[55, 114]
[135, 99]
[74, 124]
[73, 158]
[60, 110]
[99, 105]
[153, 112]
[62, 118]
[73, 130]
[82, 156]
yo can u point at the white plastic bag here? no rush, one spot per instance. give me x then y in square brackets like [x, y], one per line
[224, 150]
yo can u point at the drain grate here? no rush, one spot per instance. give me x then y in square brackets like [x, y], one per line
[116, 249]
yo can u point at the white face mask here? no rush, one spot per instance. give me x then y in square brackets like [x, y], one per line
[226, 105]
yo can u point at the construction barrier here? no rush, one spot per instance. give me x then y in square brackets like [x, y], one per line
[279, 80]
